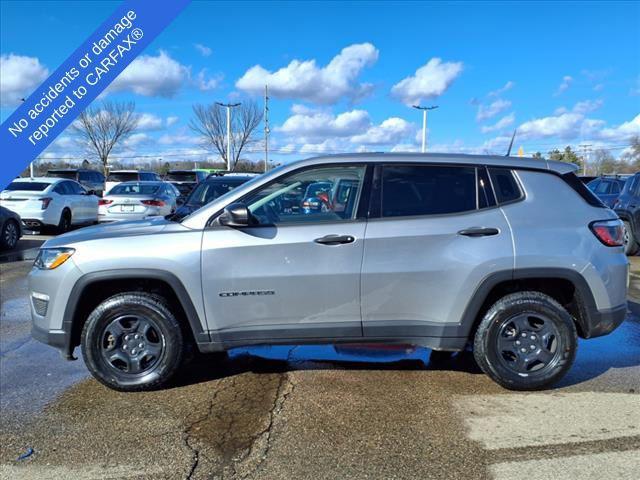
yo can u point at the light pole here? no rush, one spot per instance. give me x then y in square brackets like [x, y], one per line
[424, 123]
[229, 106]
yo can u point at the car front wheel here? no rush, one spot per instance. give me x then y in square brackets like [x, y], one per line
[132, 342]
[526, 341]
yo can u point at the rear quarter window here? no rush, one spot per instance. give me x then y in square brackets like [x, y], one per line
[505, 185]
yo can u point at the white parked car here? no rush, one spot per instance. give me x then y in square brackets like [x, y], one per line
[137, 201]
[118, 176]
[44, 202]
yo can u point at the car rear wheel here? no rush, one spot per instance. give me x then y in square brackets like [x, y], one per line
[132, 342]
[64, 225]
[526, 341]
[9, 235]
[630, 244]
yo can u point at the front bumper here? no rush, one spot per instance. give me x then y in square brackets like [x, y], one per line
[59, 339]
[52, 287]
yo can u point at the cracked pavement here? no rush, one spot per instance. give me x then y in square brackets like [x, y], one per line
[318, 412]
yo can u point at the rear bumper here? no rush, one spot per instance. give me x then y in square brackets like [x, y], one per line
[603, 322]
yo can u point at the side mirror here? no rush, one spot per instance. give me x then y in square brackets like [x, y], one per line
[235, 215]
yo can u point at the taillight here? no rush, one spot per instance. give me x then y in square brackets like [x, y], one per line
[153, 203]
[609, 232]
[104, 201]
[45, 202]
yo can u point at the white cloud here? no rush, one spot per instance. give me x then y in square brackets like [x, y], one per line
[179, 138]
[501, 124]
[429, 81]
[566, 83]
[149, 121]
[172, 120]
[485, 112]
[313, 125]
[507, 86]
[19, 76]
[205, 84]
[392, 130]
[565, 125]
[622, 132]
[203, 49]
[137, 139]
[152, 76]
[329, 145]
[587, 106]
[306, 81]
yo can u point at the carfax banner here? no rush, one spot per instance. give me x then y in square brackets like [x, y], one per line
[79, 80]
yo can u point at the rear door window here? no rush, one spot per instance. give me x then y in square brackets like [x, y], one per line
[615, 188]
[409, 190]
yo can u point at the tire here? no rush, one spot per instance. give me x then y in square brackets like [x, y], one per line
[64, 225]
[10, 235]
[532, 321]
[630, 245]
[126, 322]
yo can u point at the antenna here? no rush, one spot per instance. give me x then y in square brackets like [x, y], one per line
[511, 142]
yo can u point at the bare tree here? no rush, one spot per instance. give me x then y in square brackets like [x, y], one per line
[210, 123]
[102, 127]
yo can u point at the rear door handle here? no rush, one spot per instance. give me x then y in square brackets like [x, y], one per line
[335, 239]
[479, 232]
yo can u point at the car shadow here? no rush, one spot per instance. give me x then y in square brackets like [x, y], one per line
[597, 356]
[288, 358]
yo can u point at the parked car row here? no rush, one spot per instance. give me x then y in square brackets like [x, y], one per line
[96, 183]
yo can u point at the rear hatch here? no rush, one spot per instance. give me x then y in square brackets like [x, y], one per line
[23, 195]
[122, 205]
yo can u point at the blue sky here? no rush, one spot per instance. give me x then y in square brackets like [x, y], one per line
[342, 74]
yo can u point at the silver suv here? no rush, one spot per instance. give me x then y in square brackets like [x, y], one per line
[512, 257]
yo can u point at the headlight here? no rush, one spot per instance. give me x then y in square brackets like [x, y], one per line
[50, 258]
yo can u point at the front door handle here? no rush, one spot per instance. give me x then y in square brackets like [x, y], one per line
[479, 232]
[335, 239]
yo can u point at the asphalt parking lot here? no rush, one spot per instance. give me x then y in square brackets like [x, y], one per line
[314, 412]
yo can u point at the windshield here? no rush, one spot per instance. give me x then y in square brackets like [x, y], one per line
[181, 176]
[208, 191]
[61, 174]
[122, 177]
[27, 186]
[134, 189]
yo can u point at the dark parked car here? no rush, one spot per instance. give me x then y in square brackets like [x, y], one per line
[627, 206]
[10, 229]
[607, 189]
[92, 180]
[207, 191]
[185, 180]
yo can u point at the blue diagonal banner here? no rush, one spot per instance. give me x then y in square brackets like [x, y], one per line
[79, 80]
